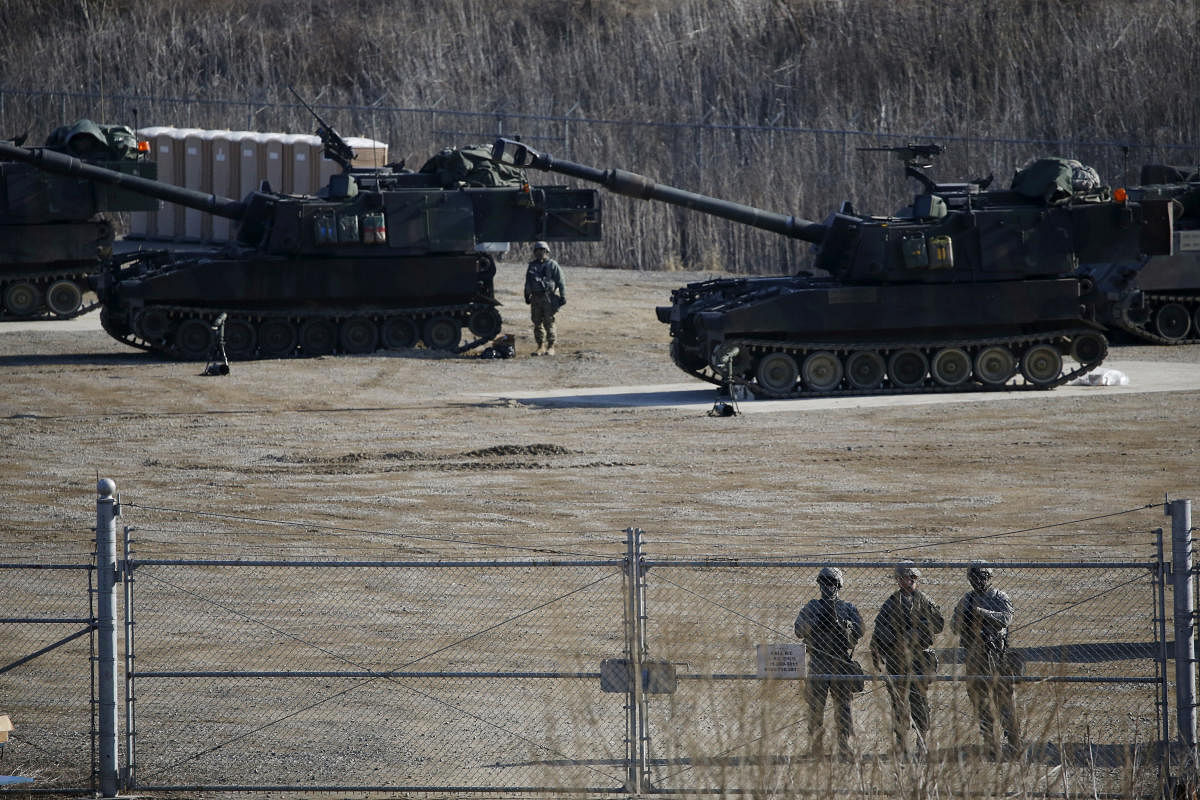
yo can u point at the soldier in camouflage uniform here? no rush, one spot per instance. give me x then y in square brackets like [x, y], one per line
[830, 628]
[902, 641]
[981, 620]
[545, 294]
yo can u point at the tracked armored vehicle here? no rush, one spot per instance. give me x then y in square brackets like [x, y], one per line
[382, 258]
[966, 289]
[1160, 301]
[53, 232]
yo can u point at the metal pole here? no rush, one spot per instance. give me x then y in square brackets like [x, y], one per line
[106, 633]
[1160, 633]
[128, 776]
[1180, 512]
[632, 737]
[639, 683]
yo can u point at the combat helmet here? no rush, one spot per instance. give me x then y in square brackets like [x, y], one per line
[830, 575]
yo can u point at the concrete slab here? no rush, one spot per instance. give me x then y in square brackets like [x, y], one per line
[85, 322]
[1144, 377]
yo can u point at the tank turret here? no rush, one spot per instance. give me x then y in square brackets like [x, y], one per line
[380, 258]
[53, 232]
[967, 288]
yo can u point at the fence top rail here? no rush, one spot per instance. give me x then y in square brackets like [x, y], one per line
[263, 104]
[47, 566]
[527, 562]
[723, 562]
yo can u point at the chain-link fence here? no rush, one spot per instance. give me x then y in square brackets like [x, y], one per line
[390, 674]
[45, 672]
[574, 674]
[1086, 702]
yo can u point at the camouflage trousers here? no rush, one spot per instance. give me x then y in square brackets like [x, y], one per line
[541, 311]
[816, 692]
[991, 689]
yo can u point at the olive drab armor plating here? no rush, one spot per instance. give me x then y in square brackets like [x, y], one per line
[966, 289]
[380, 258]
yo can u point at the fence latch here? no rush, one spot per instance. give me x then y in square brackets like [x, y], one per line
[658, 677]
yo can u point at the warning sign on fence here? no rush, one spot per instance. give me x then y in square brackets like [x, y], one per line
[781, 661]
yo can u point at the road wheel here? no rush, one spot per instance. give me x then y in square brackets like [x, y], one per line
[995, 365]
[152, 324]
[822, 371]
[240, 339]
[276, 338]
[1089, 347]
[777, 374]
[194, 339]
[442, 333]
[1041, 364]
[358, 335]
[399, 333]
[486, 323]
[865, 369]
[907, 368]
[22, 299]
[1172, 321]
[318, 337]
[951, 367]
[64, 298]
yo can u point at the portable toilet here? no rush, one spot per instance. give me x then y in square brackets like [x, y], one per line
[197, 175]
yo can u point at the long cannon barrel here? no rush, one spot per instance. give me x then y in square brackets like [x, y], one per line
[51, 161]
[519, 154]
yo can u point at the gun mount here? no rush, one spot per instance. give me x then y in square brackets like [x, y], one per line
[53, 232]
[336, 148]
[380, 258]
[965, 289]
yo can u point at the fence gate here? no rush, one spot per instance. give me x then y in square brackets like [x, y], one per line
[46, 680]
[373, 675]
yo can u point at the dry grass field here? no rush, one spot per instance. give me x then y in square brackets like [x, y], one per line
[415, 456]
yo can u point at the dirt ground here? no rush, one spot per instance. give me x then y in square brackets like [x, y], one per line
[416, 455]
[414, 443]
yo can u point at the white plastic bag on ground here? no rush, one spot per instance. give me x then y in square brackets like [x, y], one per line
[1101, 376]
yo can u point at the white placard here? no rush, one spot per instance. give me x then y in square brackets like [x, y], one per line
[781, 661]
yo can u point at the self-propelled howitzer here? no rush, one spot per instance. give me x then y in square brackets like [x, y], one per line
[379, 258]
[965, 289]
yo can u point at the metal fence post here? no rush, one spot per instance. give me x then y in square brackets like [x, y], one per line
[635, 643]
[1180, 512]
[106, 633]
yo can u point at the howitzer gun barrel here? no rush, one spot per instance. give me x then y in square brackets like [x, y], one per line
[50, 161]
[631, 184]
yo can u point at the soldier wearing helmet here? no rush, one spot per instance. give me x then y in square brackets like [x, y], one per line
[981, 620]
[830, 628]
[545, 294]
[902, 641]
